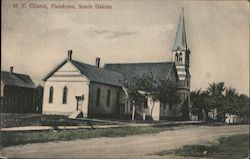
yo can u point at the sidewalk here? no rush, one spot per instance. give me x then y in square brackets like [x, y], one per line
[40, 128]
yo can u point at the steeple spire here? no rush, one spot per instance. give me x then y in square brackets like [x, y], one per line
[180, 41]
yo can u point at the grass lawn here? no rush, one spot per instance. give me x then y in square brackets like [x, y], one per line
[16, 138]
[15, 120]
[232, 147]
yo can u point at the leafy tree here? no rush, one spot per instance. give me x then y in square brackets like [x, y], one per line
[185, 109]
[231, 102]
[216, 97]
[224, 100]
[216, 89]
[200, 104]
[140, 88]
[166, 93]
[196, 103]
[243, 108]
[146, 86]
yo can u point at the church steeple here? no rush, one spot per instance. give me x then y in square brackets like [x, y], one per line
[181, 53]
[180, 40]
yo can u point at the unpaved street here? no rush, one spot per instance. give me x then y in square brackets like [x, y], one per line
[138, 146]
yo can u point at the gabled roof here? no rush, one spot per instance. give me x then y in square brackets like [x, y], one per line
[97, 74]
[16, 79]
[180, 40]
[130, 70]
[93, 73]
[54, 70]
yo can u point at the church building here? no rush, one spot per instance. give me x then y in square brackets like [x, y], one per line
[73, 87]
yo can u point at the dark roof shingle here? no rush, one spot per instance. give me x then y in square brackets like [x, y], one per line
[97, 74]
[93, 73]
[16, 79]
[131, 70]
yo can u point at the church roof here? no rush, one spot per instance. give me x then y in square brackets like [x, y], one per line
[97, 74]
[16, 79]
[130, 70]
[180, 40]
[93, 73]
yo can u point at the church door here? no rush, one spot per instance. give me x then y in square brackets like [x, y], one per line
[79, 102]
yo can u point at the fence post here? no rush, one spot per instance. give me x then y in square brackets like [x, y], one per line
[133, 110]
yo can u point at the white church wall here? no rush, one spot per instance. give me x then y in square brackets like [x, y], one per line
[76, 84]
[153, 109]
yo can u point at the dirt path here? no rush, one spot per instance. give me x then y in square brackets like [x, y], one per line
[138, 146]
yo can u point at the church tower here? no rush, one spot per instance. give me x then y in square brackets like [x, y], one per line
[181, 54]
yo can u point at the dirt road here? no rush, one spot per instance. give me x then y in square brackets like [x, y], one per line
[138, 146]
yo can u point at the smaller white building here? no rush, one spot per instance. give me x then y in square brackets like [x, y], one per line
[74, 86]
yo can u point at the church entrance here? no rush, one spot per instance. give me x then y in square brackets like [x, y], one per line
[79, 102]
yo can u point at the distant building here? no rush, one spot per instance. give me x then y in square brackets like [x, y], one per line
[17, 93]
[73, 87]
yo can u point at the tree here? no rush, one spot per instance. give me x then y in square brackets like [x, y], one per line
[215, 92]
[146, 86]
[243, 108]
[196, 103]
[200, 104]
[231, 102]
[218, 97]
[166, 93]
[140, 88]
[216, 89]
[185, 109]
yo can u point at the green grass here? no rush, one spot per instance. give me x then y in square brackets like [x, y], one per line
[44, 120]
[233, 147]
[17, 138]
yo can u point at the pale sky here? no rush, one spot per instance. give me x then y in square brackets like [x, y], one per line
[35, 40]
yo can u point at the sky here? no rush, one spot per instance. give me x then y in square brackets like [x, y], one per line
[35, 40]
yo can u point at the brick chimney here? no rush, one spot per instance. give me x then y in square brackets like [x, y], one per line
[97, 62]
[70, 52]
[11, 69]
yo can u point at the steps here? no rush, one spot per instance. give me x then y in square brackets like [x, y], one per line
[75, 114]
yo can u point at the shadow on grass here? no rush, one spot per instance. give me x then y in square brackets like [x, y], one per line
[17, 138]
[45, 120]
[236, 146]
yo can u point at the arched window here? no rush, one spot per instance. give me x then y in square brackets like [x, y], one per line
[51, 91]
[65, 92]
[180, 57]
[176, 57]
[98, 93]
[108, 98]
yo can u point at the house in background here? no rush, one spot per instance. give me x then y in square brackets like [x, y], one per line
[73, 87]
[17, 93]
